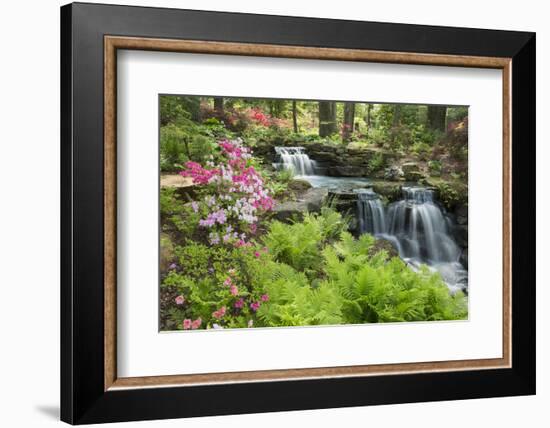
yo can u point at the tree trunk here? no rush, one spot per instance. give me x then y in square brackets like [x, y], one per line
[396, 115]
[327, 118]
[349, 120]
[218, 105]
[436, 117]
[294, 116]
[369, 108]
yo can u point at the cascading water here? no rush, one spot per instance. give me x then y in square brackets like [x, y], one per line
[370, 212]
[418, 229]
[296, 159]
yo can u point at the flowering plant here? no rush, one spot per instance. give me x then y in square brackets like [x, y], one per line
[233, 195]
[213, 288]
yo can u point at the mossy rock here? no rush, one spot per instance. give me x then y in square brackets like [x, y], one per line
[383, 245]
[414, 176]
[299, 186]
[388, 189]
[451, 193]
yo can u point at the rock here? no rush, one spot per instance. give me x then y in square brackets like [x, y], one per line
[299, 186]
[461, 214]
[311, 201]
[185, 188]
[414, 176]
[342, 194]
[383, 244]
[411, 171]
[410, 167]
[325, 156]
[390, 190]
[347, 171]
[464, 258]
[460, 234]
[393, 173]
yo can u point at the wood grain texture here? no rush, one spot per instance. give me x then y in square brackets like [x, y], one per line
[112, 43]
[110, 183]
[507, 213]
[264, 50]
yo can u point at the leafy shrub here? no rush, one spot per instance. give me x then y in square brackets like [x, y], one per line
[348, 284]
[306, 273]
[422, 150]
[285, 175]
[233, 195]
[452, 193]
[435, 167]
[376, 162]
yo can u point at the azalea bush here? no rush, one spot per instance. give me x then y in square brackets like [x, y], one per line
[233, 195]
[218, 228]
[212, 287]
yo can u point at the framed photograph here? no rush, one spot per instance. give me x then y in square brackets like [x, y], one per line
[265, 213]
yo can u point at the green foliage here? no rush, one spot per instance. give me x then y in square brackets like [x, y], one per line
[348, 284]
[312, 270]
[435, 167]
[456, 114]
[452, 193]
[298, 244]
[376, 162]
[422, 150]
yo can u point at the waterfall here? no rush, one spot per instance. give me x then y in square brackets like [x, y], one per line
[296, 159]
[370, 212]
[419, 230]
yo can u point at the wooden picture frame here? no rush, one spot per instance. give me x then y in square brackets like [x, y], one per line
[91, 390]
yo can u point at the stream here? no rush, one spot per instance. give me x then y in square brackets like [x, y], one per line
[416, 225]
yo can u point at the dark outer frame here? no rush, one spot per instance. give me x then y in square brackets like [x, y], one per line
[83, 397]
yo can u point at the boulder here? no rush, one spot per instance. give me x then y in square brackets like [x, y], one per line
[184, 186]
[410, 167]
[393, 173]
[412, 172]
[389, 189]
[461, 214]
[299, 186]
[347, 171]
[383, 245]
[460, 234]
[464, 258]
[343, 201]
[311, 201]
[414, 176]
[325, 156]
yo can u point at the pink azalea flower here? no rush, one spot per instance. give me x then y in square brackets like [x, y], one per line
[257, 254]
[196, 324]
[255, 306]
[219, 313]
[227, 281]
[264, 298]
[233, 290]
[187, 324]
[179, 300]
[239, 304]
